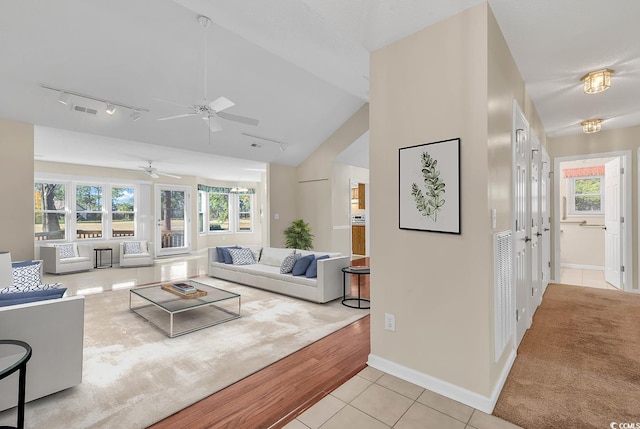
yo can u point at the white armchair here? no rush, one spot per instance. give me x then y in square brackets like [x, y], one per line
[66, 258]
[136, 253]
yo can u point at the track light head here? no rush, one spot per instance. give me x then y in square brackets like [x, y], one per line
[135, 115]
[111, 109]
[64, 98]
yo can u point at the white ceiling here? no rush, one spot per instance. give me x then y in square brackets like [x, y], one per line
[298, 66]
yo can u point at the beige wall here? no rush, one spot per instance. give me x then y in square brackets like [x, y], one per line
[428, 87]
[282, 189]
[16, 176]
[600, 143]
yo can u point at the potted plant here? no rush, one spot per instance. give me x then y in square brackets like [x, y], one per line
[298, 235]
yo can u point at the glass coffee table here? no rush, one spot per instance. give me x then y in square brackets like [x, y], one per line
[176, 313]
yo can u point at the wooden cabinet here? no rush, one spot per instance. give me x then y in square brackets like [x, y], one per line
[358, 246]
[361, 196]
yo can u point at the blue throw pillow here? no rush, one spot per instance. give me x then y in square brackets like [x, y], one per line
[312, 271]
[32, 296]
[301, 265]
[226, 255]
[221, 253]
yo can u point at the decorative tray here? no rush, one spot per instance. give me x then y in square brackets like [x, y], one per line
[169, 288]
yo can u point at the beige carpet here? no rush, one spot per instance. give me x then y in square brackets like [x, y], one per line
[134, 375]
[579, 364]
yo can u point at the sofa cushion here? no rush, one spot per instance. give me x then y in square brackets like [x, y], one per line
[266, 271]
[301, 265]
[312, 271]
[73, 260]
[26, 274]
[31, 296]
[316, 254]
[67, 250]
[288, 263]
[242, 256]
[274, 256]
[223, 253]
[132, 247]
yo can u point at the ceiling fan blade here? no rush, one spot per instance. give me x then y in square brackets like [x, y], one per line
[176, 116]
[169, 175]
[220, 104]
[238, 118]
[153, 174]
[214, 123]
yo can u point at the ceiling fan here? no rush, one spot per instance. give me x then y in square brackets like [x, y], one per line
[210, 111]
[153, 172]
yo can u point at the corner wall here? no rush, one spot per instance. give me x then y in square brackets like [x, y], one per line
[16, 178]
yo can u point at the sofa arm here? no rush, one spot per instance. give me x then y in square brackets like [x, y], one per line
[50, 256]
[330, 277]
[213, 255]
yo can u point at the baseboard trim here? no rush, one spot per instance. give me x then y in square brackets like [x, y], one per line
[452, 391]
[583, 267]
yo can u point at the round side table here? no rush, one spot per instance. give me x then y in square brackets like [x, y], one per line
[361, 302]
[14, 355]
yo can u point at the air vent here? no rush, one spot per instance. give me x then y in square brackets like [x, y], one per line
[83, 109]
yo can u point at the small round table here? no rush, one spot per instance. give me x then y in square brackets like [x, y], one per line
[347, 301]
[14, 355]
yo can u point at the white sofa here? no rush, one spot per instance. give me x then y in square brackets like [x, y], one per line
[53, 262]
[54, 329]
[141, 256]
[326, 287]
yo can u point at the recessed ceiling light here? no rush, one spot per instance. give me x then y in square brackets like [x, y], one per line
[597, 81]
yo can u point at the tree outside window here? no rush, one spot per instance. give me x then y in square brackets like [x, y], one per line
[245, 222]
[49, 203]
[88, 211]
[218, 212]
[123, 218]
[588, 195]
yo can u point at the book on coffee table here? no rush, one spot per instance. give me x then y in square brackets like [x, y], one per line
[184, 288]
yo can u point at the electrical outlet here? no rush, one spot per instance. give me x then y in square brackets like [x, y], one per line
[389, 322]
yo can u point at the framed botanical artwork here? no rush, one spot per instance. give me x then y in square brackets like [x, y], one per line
[430, 187]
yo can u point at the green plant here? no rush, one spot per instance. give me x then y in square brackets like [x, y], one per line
[298, 235]
[433, 202]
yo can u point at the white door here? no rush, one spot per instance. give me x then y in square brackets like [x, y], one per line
[613, 223]
[534, 232]
[521, 181]
[172, 220]
[544, 240]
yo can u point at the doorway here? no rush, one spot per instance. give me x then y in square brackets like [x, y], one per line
[172, 221]
[359, 209]
[592, 235]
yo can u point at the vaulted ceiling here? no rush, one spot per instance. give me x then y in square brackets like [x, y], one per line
[298, 66]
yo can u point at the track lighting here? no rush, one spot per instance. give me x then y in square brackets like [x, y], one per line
[64, 98]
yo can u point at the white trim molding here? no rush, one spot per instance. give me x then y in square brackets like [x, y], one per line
[583, 267]
[452, 391]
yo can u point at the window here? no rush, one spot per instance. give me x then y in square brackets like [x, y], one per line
[245, 220]
[218, 212]
[49, 203]
[202, 211]
[123, 217]
[88, 211]
[587, 195]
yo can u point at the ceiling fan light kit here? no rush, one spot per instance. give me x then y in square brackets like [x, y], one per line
[591, 126]
[597, 81]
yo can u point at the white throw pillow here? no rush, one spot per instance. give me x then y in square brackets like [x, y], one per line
[67, 250]
[132, 248]
[274, 256]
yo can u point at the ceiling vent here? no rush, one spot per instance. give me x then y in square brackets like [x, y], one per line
[83, 109]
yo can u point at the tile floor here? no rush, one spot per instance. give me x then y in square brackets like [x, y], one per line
[373, 399]
[581, 277]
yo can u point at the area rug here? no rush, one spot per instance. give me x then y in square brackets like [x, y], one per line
[134, 375]
[579, 364]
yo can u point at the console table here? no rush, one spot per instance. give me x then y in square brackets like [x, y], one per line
[361, 302]
[14, 356]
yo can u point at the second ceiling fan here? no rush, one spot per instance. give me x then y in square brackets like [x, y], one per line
[210, 111]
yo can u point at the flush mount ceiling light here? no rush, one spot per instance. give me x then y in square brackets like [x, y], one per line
[597, 81]
[65, 98]
[591, 126]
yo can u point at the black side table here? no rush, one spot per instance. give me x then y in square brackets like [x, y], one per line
[14, 355]
[359, 271]
[99, 251]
